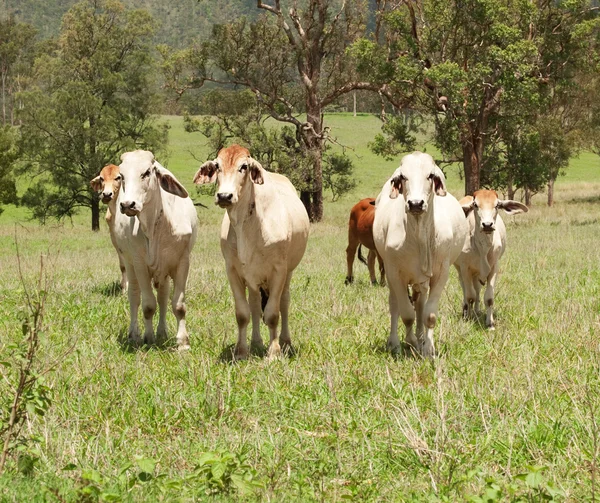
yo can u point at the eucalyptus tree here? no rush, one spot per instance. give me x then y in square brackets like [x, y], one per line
[93, 100]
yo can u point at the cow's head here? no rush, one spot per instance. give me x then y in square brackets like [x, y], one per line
[233, 170]
[485, 205]
[417, 179]
[142, 177]
[107, 183]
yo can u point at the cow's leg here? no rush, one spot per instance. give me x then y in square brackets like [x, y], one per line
[163, 301]
[419, 298]
[148, 302]
[469, 293]
[489, 297]
[381, 269]
[254, 299]
[477, 303]
[431, 308]
[284, 337]
[400, 306]
[178, 302]
[124, 285]
[134, 297]
[242, 313]
[272, 310]
[350, 254]
[371, 265]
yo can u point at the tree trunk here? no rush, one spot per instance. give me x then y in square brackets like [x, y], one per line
[551, 192]
[472, 169]
[528, 196]
[95, 213]
[354, 96]
[510, 189]
[314, 142]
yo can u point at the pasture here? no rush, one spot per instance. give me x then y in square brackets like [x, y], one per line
[505, 415]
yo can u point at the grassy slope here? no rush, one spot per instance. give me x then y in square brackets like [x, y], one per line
[342, 418]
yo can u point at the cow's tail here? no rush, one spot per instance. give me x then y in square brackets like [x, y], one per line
[264, 298]
[360, 255]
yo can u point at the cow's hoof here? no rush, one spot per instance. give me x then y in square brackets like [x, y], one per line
[348, 280]
[240, 354]
[184, 347]
[287, 349]
[274, 352]
[258, 348]
[491, 327]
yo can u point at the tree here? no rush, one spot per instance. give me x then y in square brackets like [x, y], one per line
[294, 60]
[16, 55]
[93, 101]
[8, 156]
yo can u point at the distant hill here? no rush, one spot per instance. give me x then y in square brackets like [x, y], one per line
[180, 20]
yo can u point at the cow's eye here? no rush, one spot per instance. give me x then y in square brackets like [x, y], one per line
[243, 167]
[118, 177]
[146, 174]
[403, 178]
[475, 204]
[101, 179]
[430, 177]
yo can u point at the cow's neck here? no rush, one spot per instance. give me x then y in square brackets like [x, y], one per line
[422, 227]
[483, 244]
[111, 211]
[246, 209]
[151, 219]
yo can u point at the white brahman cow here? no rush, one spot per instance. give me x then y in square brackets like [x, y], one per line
[419, 236]
[478, 263]
[108, 184]
[155, 230]
[263, 238]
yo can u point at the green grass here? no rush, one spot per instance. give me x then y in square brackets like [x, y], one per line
[342, 419]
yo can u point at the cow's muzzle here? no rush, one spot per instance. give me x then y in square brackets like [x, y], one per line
[416, 206]
[129, 208]
[488, 227]
[106, 197]
[224, 199]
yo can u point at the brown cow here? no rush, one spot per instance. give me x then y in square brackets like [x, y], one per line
[360, 233]
[108, 184]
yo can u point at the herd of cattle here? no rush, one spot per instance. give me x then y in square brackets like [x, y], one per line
[415, 238]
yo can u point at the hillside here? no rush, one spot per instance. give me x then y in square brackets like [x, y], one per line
[180, 20]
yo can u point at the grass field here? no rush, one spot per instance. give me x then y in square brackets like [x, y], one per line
[509, 415]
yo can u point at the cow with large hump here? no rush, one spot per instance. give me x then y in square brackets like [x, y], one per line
[360, 233]
[477, 265]
[107, 184]
[155, 231]
[263, 238]
[419, 231]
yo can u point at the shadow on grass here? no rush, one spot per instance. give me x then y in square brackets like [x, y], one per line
[226, 355]
[127, 347]
[109, 290]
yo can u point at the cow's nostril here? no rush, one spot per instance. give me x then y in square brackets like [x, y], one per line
[225, 196]
[416, 204]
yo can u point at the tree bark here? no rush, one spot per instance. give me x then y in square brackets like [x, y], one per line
[510, 189]
[472, 168]
[551, 192]
[95, 213]
[528, 196]
[314, 141]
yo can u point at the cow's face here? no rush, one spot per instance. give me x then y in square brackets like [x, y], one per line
[485, 205]
[141, 180]
[107, 183]
[417, 179]
[233, 170]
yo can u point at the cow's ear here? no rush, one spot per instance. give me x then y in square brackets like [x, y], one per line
[96, 184]
[256, 171]
[372, 203]
[512, 207]
[168, 182]
[396, 186]
[468, 204]
[439, 181]
[207, 173]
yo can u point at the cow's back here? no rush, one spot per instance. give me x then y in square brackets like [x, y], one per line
[361, 220]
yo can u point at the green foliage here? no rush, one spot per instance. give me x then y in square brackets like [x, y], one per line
[224, 472]
[93, 101]
[337, 174]
[397, 136]
[8, 155]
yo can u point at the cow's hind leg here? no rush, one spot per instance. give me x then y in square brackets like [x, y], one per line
[381, 269]
[242, 313]
[163, 301]
[284, 337]
[272, 310]
[178, 303]
[371, 265]
[350, 254]
[256, 344]
[489, 297]
[148, 304]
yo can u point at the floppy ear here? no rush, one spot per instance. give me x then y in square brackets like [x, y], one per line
[256, 171]
[372, 203]
[396, 188]
[512, 207]
[439, 182]
[96, 184]
[468, 204]
[207, 173]
[168, 182]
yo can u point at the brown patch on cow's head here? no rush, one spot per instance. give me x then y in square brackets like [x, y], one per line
[231, 170]
[107, 183]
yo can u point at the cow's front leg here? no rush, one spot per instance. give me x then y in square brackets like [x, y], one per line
[399, 306]
[256, 343]
[178, 303]
[489, 297]
[469, 293]
[431, 309]
[163, 301]
[134, 297]
[272, 309]
[124, 282]
[420, 292]
[242, 313]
